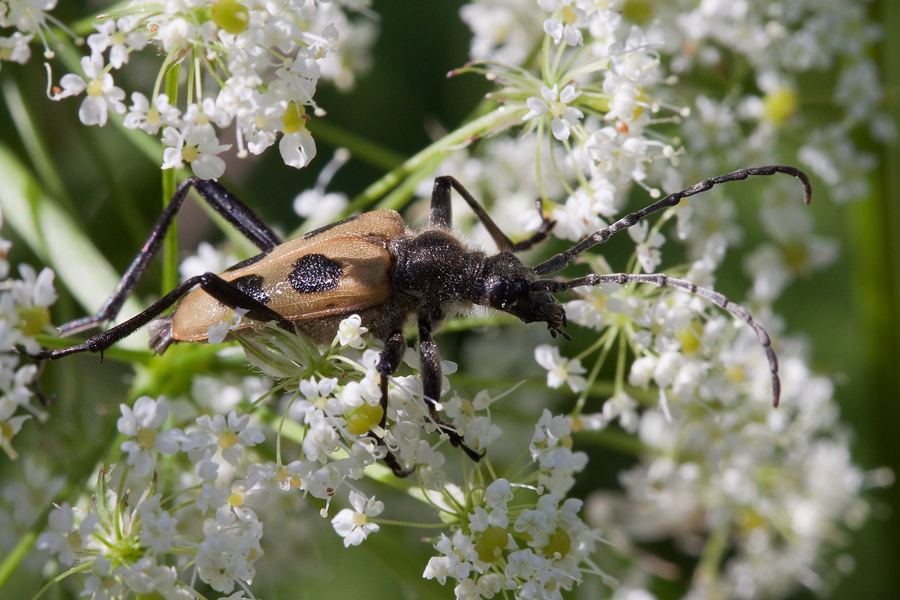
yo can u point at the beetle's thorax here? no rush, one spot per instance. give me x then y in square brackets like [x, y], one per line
[436, 271]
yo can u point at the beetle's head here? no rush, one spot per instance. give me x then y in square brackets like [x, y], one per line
[508, 285]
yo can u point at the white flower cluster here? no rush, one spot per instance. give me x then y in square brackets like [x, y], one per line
[603, 97]
[520, 538]
[223, 542]
[24, 312]
[29, 18]
[766, 496]
[781, 45]
[342, 421]
[253, 66]
[591, 121]
[523, 536]
[593, 106]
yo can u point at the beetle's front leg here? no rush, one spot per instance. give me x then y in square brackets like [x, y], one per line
[430, 370]
[441, 215]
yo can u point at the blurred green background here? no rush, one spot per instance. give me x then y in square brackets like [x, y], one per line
[850, 313]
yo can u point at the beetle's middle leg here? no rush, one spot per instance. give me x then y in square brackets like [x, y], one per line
[388, 362]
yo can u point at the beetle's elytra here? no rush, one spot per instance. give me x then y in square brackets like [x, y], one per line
[374, 266]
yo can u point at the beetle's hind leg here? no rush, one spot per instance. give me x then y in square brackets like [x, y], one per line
[221, 200]
[223, 291]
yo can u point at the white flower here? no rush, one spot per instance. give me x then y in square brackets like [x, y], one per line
[438, 567]
[10, 426]
[350, 332]
[460, 553]
[353, 525]
[556, 103]
[103, 39]
[118, 37]
[567, 25]
[197, 145]
[101, 584]
[319, 207]
[158, 527]
[551, 430]
[210, 497]
[577, 217]
[150, 119]
[498, 494]
[501, 31]
[560, 370]
[15, 48]
[634, 60]
[102, 95]
[317, 397]
[218, 331]
[230, 436]
[140, 423]
[34, 289]
[145, 577]
[245, 494]
[175, 31]
[590, 311]
[65, 539]
[227, 553]
[534, 523]
[624, 408]
[297, 148]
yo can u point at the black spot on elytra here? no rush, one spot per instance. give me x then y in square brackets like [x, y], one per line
[316, 232]
[252, 286]
[248, 261]
[314, 273]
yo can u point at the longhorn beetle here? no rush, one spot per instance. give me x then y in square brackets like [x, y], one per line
[372, 265]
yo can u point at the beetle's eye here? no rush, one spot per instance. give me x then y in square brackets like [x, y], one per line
[506, 293]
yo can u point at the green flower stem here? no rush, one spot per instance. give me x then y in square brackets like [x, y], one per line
[605, 341]
[170, 245]
[413, 168]
[710, 560]
[398, 197]
[410, 524]
[60, 577]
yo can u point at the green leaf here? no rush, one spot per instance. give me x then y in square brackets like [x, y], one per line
[50, 233]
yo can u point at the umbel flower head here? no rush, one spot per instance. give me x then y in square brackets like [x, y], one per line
[252, 67]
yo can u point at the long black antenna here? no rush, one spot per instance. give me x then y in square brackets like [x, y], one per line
[559, 262]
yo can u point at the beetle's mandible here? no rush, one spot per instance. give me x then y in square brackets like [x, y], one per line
[374, 266]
